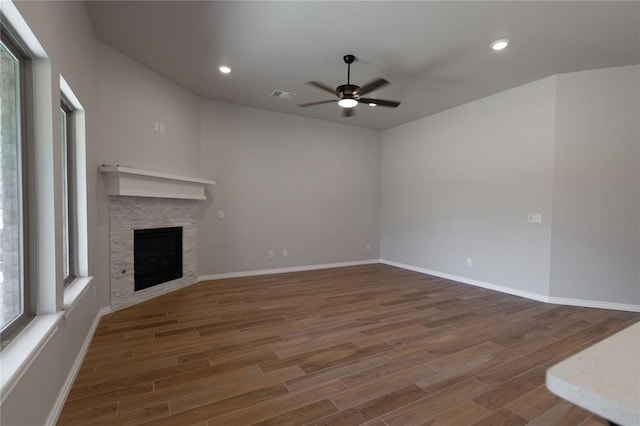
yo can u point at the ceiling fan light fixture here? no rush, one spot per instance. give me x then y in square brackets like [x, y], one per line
[347, 103]
[350, 95]
[500, 44]
[224, 69]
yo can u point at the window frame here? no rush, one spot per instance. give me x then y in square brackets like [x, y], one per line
[69, 183]
[24, 120]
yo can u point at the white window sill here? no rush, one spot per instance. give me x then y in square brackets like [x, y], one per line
[73, 293]
[16, 358]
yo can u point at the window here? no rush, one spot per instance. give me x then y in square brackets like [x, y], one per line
[13, 292]
[73, 190]
[68, 228]
[32, 221]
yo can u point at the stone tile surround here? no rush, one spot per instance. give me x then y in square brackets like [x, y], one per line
[129, 213]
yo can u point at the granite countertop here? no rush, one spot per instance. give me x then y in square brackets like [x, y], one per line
[604, 378]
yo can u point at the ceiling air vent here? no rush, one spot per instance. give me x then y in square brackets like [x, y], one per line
[282, 94]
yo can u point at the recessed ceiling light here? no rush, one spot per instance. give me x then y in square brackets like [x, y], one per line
[347, 103]
[500, 44]
[373, 104]
[224, 69]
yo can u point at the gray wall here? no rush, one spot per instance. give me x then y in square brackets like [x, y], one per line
[285, 182]
[329, 216]
[130, 99]
[455, 185]
[595, 234]
[122, 100]
[460, 184]
[72, 54]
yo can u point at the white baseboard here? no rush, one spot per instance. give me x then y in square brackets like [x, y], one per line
[105, 310]
[66, 388]
[285, 270]
[521, 293]
[465, 280]
[594, 304]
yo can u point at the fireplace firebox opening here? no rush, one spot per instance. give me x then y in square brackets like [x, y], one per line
[157, 256]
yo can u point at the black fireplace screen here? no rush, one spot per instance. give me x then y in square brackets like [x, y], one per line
[157, 256]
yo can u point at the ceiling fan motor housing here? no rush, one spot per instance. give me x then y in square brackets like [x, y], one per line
[348, 91]
[349, 59]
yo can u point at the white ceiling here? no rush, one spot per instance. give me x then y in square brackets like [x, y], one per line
[436, 54]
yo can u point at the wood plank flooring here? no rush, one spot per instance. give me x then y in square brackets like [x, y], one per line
[372, 345]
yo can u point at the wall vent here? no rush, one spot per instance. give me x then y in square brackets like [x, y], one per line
[281, 94]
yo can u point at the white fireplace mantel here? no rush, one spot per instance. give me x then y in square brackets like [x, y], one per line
[126, 181]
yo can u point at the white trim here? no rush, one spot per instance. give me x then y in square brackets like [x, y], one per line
[44, 148]
[465, 280]
[105, 310]
[285, 270]
[71, 377]
[68, 93]
[80, 182]
[18, 356]
[521, 293]
[73, 293]
[126, 181]
[148, 173]
[11, 14]
[594, 304]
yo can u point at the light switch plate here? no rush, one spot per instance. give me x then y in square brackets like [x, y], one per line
[534, 218]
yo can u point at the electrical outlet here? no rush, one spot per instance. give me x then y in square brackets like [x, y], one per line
[534, 218]
[469, 261]
[285, 253]
[270, 253]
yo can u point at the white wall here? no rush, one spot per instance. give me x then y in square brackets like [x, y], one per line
[460, 184]
[596, 218]
[285, 182]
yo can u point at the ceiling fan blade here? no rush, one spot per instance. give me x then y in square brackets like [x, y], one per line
[322, 86]
[379, 102]
[317, 103]
[348, 112]
[372, 85]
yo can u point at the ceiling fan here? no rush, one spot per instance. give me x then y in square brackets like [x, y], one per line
[349, 95]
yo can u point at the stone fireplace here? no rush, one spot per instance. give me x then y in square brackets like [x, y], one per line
[128, 214]
[140, 201]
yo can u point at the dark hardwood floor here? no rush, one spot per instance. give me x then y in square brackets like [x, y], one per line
[371, 345]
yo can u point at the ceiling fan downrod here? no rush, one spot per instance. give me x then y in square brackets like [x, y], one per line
[349, 59]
